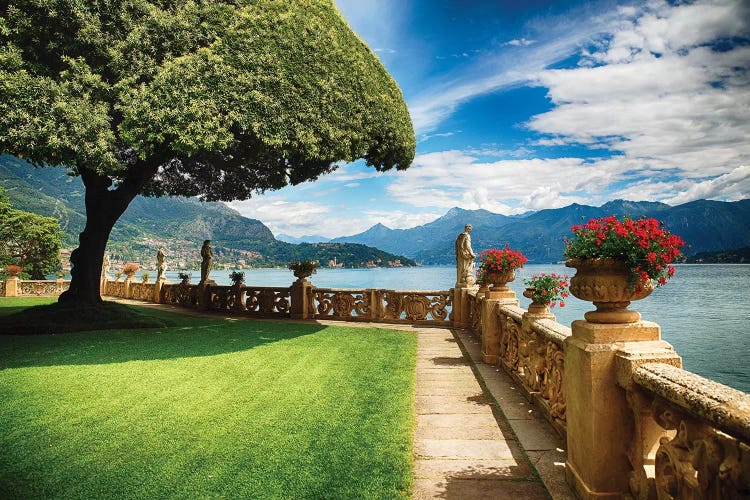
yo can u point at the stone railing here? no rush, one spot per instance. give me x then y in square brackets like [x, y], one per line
[386, 306]
[692, 435]
[528, 346]
[250, 300]
[15, 287]
[179, 294]
[141, 291]
[116, 289]
[475, 311]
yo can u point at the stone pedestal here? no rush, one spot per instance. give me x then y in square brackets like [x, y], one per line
[490, 324]
[600, 422]
[12, 286]
[302, 304]
[157, 289]
[461, 307]
[204, 294]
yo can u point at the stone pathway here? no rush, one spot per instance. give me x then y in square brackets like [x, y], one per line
[462, 448]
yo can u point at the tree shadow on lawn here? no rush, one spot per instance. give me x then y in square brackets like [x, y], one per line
[179, 336]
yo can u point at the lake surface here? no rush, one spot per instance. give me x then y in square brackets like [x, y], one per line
[704, 311]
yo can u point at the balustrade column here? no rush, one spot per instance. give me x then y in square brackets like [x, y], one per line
[302, 306]
[12, 286]
[490, 324]
[600, 422]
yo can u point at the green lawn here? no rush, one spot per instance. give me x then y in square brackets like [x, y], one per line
[207, 408]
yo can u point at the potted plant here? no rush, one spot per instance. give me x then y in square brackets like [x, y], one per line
[546, 290]
[129, 270]
[145, 276]
[184, 278]
[237, 277]
[13, 270]
[303, 268]
[497, 267]
[618, 261]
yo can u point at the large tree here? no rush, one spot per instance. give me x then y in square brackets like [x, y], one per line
[29, 240]
[216, 99]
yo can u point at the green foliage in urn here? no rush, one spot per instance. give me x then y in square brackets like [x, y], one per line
[303, 268]
[145, 276]
[494, 261]
[237, 277]
[643, 245]
[218, 100]
[184, 277]
[548, 288]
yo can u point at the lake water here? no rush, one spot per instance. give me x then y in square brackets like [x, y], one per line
[704, 311]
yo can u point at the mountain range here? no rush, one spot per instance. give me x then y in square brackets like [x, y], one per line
[705, 225]
[178, 224]
[181, 225]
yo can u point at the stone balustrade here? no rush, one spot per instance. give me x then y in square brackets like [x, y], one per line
[692, 435]
[387, 306]
[15, 287]
[528, 346]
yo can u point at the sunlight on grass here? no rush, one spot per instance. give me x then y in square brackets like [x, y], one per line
[209, 407]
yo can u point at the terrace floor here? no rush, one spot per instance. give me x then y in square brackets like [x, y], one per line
[476, 435]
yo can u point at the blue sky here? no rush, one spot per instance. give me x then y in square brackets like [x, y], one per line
[527, 105]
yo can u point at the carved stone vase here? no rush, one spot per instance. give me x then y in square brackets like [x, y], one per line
[536, 308]
[605, 282]
[499, 283]
[302, 275]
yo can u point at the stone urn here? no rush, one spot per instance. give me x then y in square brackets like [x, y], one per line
[536, 308]
[499, 283]
[605, 282]
[301, 274]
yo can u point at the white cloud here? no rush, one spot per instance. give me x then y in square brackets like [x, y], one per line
[519, 41]
[457, 178]
[660, 94]
[732, 186]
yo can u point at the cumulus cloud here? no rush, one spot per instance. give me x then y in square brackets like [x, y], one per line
[670, 91]
[458, 178]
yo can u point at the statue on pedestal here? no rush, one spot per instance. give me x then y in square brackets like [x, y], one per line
[105, 269]
[161, 264]
[206, 254]
[465, 259]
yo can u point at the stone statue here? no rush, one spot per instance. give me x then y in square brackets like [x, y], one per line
[206, 254]
[105, 268]
[161, 264]
[465, 259]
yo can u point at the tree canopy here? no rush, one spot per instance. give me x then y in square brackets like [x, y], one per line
[224, 98]
[216, 99]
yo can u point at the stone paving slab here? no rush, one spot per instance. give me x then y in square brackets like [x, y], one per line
[544, 447]
[478, 489]
[462, 449]
[472, 469]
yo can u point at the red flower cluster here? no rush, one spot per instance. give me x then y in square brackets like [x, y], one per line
[548, 288]
[13, 270]
[494, 261]
[644, 245]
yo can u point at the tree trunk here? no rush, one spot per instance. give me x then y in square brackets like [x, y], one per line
[103, 208]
